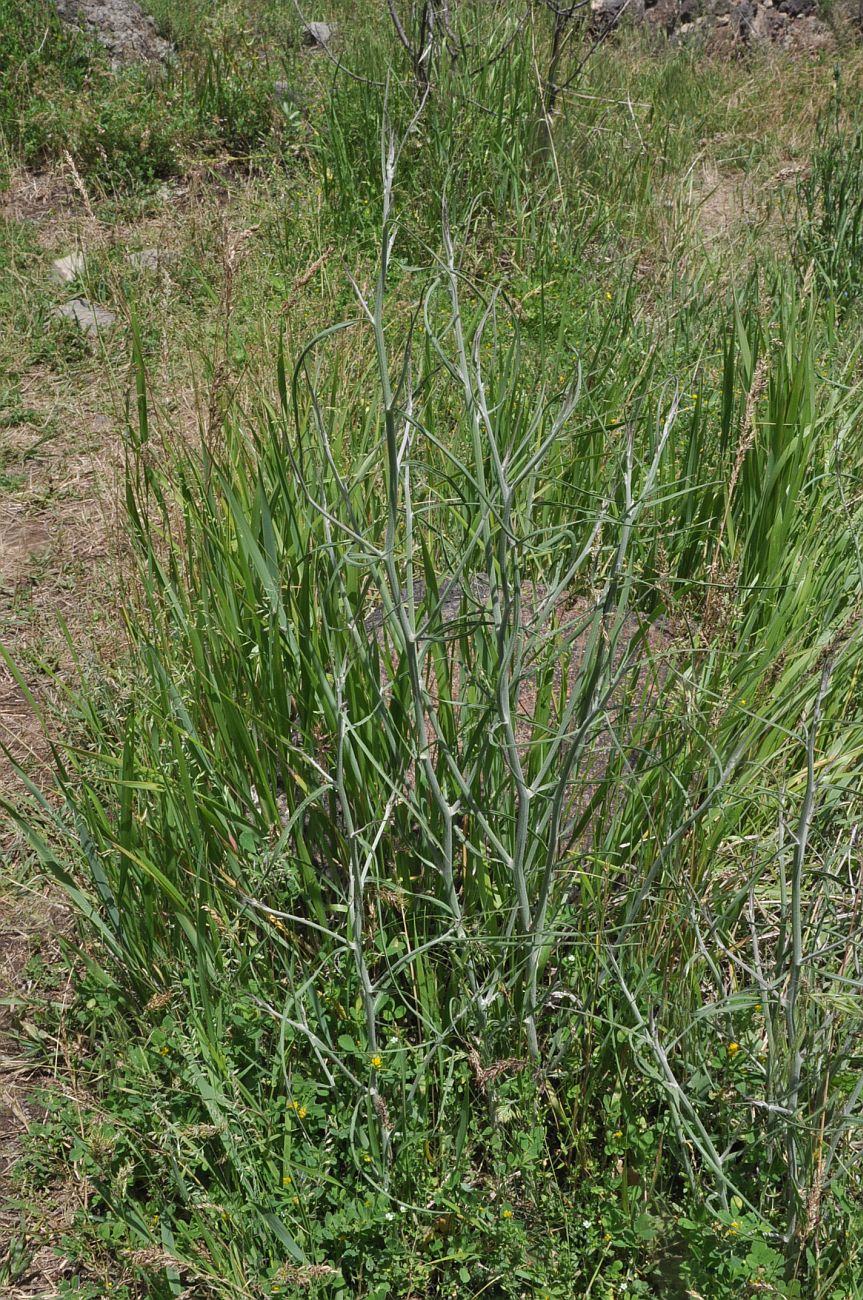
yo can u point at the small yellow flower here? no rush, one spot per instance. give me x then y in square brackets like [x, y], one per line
[618, 1132]
[608, 295]
[506, 1214]
[757, 1006]
[733, 1227]
[607, 1237]
[377, 1062]
[367, 1158]
[287, 1180]
[733, 1049]
[295, 1200]
[694, 396]
[163, 1051]
[302, 1112]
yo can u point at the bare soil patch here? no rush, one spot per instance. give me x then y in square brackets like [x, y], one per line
[60, 463]
[44, 198]
[32, 925]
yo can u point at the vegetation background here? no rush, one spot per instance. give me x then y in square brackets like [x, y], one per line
[440, 588]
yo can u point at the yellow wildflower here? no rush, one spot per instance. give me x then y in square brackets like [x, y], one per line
[733, 1049]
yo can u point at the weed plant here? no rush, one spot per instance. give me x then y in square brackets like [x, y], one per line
[467, 857]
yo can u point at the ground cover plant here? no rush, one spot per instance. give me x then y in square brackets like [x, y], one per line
[464, 839]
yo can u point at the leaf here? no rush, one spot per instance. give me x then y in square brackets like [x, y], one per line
[285, 1237]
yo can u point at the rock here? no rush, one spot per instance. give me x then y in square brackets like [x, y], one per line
[808, 35]
[663, 15]
[743, 18]
[150, 259]
[608, 13]
[127, 33]
[769, 26]
[688, 13]
[92, 320]
[318, 34]
[723, 26]
[68, 268]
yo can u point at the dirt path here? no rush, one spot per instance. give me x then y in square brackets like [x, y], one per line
[58, 459]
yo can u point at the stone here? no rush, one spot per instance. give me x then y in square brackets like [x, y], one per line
[68, 268]
[723, 26]
[744, 16]
[607, 13]
[149, 259]
[318, 34]
[92, 320]
[126, 31]
[663, 15]
[769, 26]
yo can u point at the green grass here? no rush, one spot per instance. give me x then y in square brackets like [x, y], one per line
[502, 944]
[133, 128]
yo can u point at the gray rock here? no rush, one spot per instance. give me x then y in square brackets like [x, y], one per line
[126, 31]
[92, 320]
[318, 34]
[150, 259]
[769, 26]
[744, 17]
[606, 13]
[68, 268]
